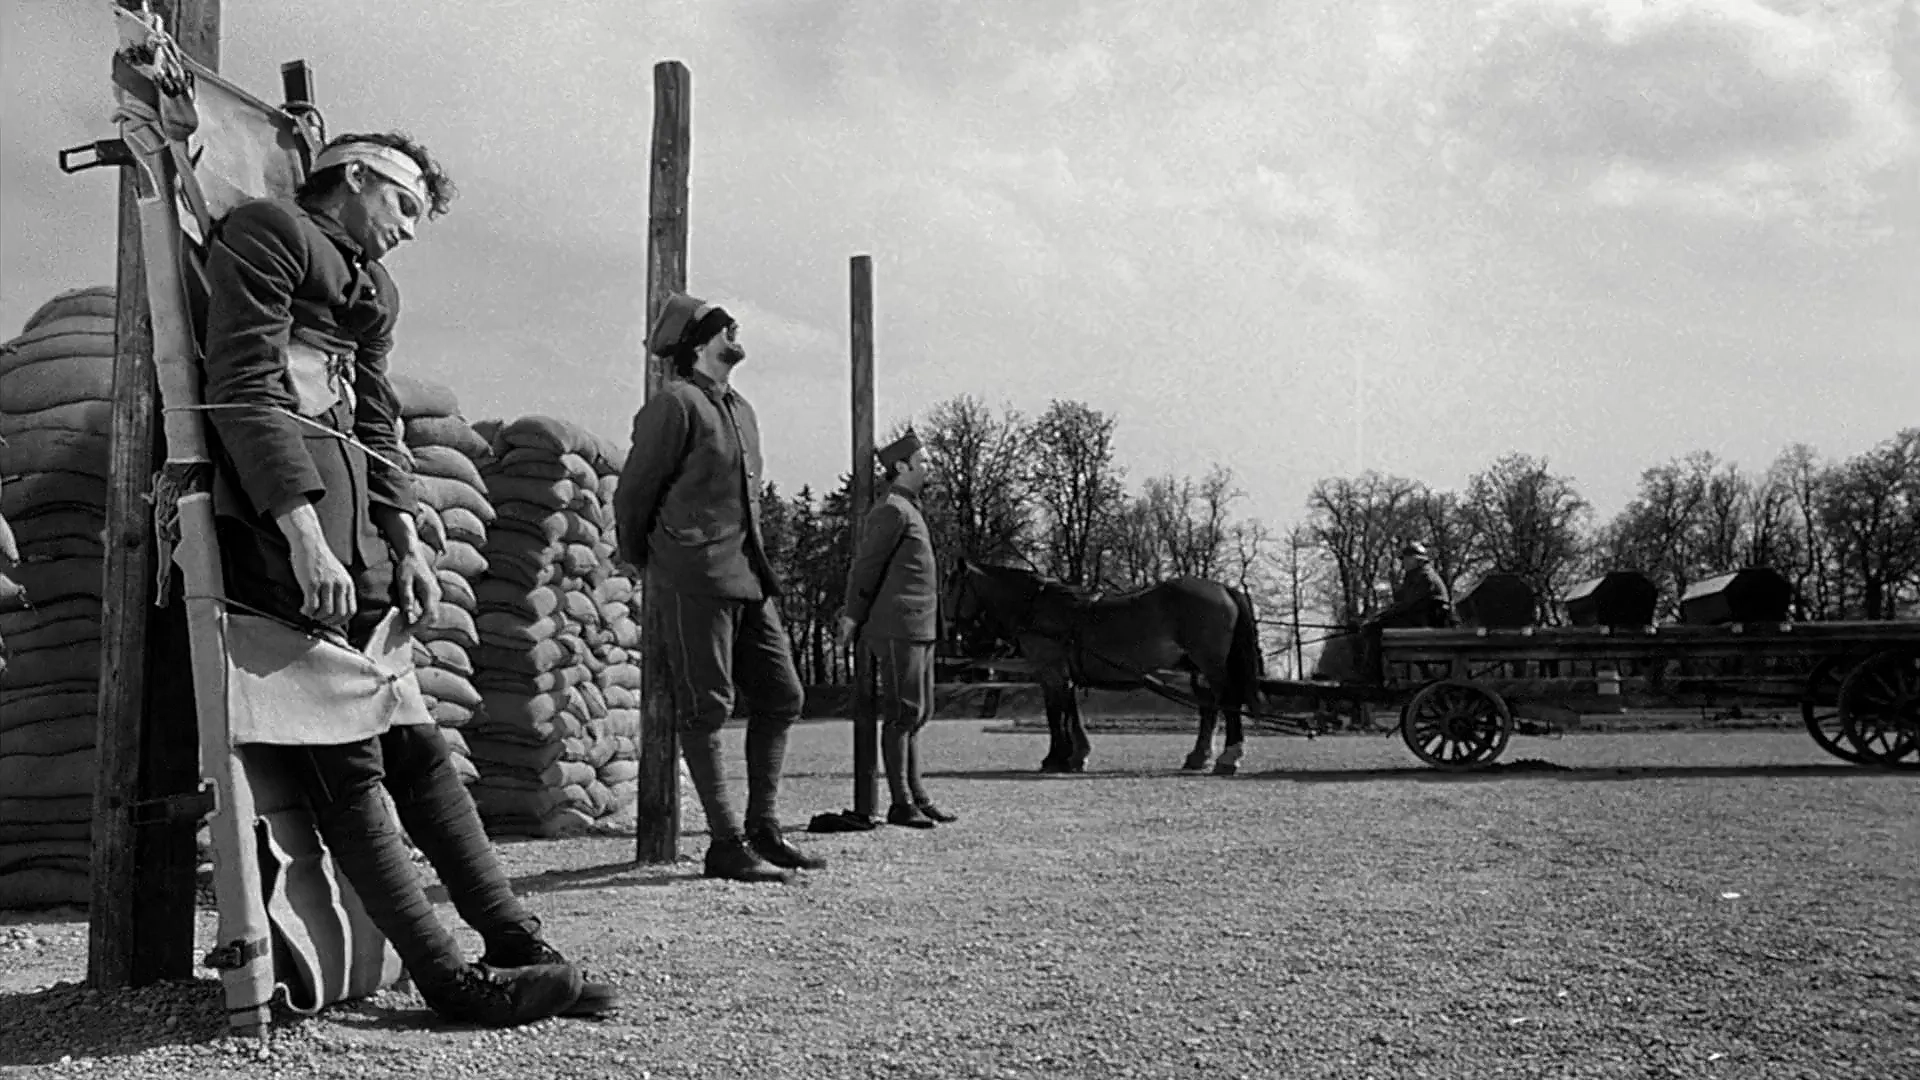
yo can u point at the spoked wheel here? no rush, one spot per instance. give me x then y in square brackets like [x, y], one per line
[1820, 708]
[1880, 709]
[1456, 725]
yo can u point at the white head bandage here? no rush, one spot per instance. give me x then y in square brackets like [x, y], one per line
[391, 164]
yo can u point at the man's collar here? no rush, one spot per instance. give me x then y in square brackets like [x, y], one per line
[333, 231]
[911, 495]
[709, 384]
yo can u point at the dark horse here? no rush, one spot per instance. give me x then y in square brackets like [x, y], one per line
[1083, 639]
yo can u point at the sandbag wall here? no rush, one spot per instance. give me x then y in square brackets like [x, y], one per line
[56, 384]
[558, 663]
[453, 515]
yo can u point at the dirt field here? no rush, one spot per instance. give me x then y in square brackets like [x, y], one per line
[1731, 904]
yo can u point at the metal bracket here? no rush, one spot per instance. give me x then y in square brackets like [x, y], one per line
[235, 955]
[105, 152]
[188, 806]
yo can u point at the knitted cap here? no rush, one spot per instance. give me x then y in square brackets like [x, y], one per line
[680, 317]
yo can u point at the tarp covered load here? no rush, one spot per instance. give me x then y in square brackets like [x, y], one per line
[56, 386]
[453, 518]
[558, 664]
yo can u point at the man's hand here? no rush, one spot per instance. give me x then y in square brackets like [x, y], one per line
[848, 628]
[418, 586]
[326, 589]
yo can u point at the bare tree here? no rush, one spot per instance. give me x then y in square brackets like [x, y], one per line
[1358, 524]
[1799, 471]
[978, 504]
[1191, 520]
[1659, 532]
[1872, 510]
[1523, 519]
[1077, 485]
[1440, 521]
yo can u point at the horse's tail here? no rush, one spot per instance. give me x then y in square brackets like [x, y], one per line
[1245, 665]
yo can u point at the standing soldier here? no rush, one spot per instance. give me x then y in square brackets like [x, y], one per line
[315, 525]
[892, 609]
[688, 514]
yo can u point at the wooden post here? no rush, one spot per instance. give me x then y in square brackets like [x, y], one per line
[146, 765]
[866, 733]
[657, 828]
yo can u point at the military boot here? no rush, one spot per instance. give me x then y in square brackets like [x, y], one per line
[515, 949]
[476, 995]
[909, 815]
[768, 843]
[730, 858]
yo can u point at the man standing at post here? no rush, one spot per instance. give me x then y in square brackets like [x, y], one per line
[687, 512]
[316, 528]
[893, 610]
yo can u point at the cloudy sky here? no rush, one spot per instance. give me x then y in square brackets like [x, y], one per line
[1302, 239]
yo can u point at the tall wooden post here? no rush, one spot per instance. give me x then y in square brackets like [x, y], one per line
[657, 830]
[146, 765]
[866, 733]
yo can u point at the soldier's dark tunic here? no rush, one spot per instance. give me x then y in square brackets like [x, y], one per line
[300, 325]
[1419, 600]
[893, 596]
[298, 328]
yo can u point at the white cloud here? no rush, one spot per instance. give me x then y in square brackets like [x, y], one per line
[1728, 109]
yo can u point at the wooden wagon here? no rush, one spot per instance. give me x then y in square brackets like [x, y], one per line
[1463, 693]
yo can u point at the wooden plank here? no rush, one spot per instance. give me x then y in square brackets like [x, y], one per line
[657, 830]
[866, 729]
[140, 919]
[1780, 641]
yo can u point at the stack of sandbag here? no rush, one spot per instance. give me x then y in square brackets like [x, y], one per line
[558, 666]
[56, 384]
[453, 515]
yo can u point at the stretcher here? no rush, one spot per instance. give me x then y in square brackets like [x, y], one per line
[289, 924]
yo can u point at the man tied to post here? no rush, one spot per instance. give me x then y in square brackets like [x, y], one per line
[893, 610]
[687, 511]
[315, 520]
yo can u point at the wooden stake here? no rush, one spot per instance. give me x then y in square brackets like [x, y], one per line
[657, 831]
[140, 926]
[866, 733]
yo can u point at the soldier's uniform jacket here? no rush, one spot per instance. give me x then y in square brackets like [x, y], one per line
[893, 588]
[688, 504]
[1420, 600]
[299, 320]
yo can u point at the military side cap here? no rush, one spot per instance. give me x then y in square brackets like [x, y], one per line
[899, 450]
[680, 317]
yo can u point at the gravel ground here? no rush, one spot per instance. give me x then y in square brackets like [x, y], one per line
[1653, 904]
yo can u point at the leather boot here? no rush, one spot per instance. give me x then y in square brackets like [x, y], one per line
[909, 815]
[918, 792]
[764, 838]
[518, 947]
[476, 995]
[731, 859]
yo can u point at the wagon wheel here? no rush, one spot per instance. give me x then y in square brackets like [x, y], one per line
[1456, 725]
[1820, 708]
[1880, 708]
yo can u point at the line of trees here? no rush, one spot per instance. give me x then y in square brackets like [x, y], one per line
[1046, 491]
